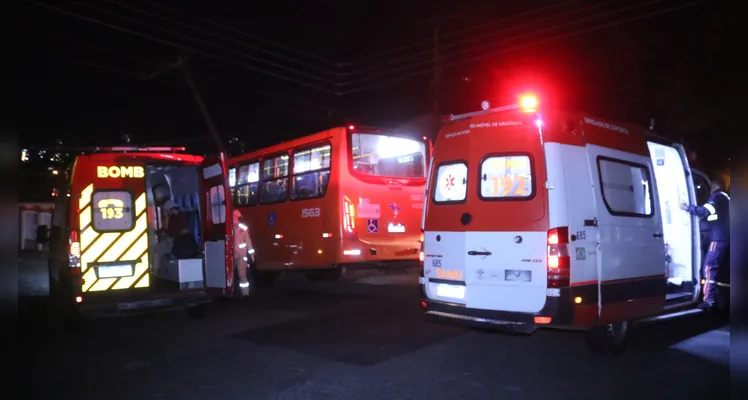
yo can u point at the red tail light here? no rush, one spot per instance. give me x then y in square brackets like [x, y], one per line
[421, 256]
[559, 262]
[349, 215]
[74, 253]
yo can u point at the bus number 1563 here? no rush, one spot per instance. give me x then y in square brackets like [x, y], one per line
[310, 212]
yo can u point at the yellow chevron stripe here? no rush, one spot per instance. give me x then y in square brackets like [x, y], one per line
[102, 284]
[85, 217]
[144, 281]
[140, 204]
[120, 246]
[93, 253]
[85, 197]
[88, 237]
[138, 251]
[115, 252]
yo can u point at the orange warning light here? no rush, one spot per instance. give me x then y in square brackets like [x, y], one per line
[528, 103]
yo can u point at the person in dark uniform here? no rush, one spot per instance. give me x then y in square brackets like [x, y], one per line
[716, 211]
[42, 236]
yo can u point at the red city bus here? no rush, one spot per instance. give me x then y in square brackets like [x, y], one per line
[347, 195]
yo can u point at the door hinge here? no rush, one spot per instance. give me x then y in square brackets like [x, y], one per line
[549, 185]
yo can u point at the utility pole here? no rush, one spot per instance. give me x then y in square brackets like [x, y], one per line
[436, 75]
[182, 64]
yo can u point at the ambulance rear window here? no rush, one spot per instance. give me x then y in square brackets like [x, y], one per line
[506, 177]
[450, 185]
[112, 211]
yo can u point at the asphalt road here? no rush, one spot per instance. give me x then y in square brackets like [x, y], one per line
[364, 338]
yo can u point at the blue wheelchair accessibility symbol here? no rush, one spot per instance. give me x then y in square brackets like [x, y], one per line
[271, 218]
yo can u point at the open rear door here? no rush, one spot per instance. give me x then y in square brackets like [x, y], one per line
[218, 262]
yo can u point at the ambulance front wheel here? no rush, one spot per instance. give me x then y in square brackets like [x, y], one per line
[609, 340]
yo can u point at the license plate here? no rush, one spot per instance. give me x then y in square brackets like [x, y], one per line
[115, 271]
[452, 291]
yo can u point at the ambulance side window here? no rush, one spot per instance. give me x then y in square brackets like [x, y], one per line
[450, 183]
[625, 188]
[112, 211]
[218, 204]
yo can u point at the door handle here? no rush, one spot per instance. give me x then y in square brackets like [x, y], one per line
[657, 235]
[479, 253]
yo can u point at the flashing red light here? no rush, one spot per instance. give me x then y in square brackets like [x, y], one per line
[351, 127]
[528, 102]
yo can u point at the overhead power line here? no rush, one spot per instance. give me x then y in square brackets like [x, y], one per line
[171, 32]
[534, 43]
[463, 30]
[180, 46]
[491, 43]
[228, 39]
[243, 33]
[485, 37]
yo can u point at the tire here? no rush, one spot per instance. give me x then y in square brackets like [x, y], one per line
[609, 340]
[199, 311]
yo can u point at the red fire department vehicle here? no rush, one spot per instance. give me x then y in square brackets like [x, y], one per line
[553, 219]
[146, 229]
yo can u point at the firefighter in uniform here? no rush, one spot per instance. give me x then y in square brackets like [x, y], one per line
[717, 213]
[243, 251]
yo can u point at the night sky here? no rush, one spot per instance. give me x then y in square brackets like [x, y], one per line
[292, 67]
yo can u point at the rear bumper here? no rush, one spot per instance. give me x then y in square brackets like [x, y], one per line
[558, 309]
[156, 303]
[380, 251]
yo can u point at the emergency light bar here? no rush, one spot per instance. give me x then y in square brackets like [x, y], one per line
[527, 103]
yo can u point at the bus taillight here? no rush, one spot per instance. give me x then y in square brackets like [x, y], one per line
[349, 215]
[421, 255]
[559, 262]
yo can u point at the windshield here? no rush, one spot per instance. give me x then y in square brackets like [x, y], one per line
[388, 156]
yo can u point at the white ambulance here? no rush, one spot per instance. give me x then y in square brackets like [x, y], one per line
[555, 219]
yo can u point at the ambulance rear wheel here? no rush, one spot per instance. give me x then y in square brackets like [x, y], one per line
[609, 340]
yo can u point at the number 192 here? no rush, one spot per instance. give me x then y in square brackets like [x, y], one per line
[505, 186]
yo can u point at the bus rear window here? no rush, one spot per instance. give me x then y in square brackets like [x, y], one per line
[112, 211]
[388, 156]
[506, 177]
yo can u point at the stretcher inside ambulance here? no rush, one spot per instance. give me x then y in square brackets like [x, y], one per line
[136, 232]
[538, 218]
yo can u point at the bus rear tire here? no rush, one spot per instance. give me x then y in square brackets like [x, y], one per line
[609, 340]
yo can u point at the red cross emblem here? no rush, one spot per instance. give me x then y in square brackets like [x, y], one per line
[450, 182]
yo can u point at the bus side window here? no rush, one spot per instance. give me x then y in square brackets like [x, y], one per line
[311, 169]
[274, 179]
[246, 187]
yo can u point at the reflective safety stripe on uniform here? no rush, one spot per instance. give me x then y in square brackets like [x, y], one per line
[130, 247]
